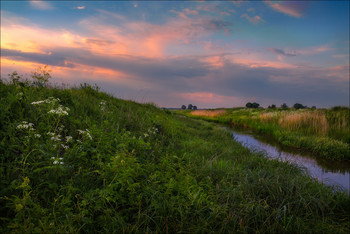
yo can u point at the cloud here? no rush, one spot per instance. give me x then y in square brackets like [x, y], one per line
[209, 98]
[185, 13]
[216, 9]
[49, 59]
[254, 20]
[135, 57]
[98, 42]
[304, 51]
[41, 5]
[294, 9]
[282, 52]
[152, 40]
[194, 79]
[79, 7]
[190, 12]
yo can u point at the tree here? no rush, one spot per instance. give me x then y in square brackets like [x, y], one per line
[284, 105]
[189, 106]
[183, 107]
[255, 105]
[298, 106]
[194, 107]
[273, 106]
[252, 105]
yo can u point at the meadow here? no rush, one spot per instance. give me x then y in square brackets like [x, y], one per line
[78, 160]
[323, 132]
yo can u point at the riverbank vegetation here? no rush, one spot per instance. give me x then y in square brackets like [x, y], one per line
[324, 132]
[79, 160]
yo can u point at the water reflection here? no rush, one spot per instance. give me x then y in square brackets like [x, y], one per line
[330, 173]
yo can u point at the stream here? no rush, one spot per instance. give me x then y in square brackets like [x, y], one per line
[336, 174]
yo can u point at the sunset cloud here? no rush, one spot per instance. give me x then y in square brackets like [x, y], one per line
[79, 7]
[254, 20]
[291, 8]
[282, 52]
[41, 5]
[199, 52]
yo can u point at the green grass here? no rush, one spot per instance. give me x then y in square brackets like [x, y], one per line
[324, 132]
[109, 165]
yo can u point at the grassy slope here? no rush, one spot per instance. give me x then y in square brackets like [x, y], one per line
[144, 170]
[305, 133]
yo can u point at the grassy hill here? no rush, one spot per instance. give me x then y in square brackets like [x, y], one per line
[79, 160]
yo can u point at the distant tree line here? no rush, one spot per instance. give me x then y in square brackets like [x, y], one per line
[190, 107]
[273, 106]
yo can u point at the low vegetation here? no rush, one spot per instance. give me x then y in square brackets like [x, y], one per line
[325, 132]
[79, 160]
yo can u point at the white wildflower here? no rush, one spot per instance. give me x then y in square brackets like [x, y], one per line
[146, 135]
[60, 128]
[26, 125]
[19, 95]
[57, 160]
[68, 139]
[37, 135]
[65, 146]
[61, 110]
[54, 137]
[37, 103]
[103, 105]
[85, 133]
[48, 101]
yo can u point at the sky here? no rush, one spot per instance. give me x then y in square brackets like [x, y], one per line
[207, 53]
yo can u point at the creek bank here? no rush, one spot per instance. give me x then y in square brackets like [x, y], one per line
[329, 172]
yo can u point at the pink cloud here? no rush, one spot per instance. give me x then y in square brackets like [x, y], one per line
[80, 7]
[41, 5]
[293, 9]
[185, 13]
[209, 98]
[254, 20]
[190, 12]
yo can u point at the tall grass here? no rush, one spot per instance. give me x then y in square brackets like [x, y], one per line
[313, 122]
[80, 161]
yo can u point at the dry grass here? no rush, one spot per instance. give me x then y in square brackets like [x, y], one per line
[315, 122]
[208, 113]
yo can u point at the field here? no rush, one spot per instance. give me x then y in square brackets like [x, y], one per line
[79, 160]
[324, 132]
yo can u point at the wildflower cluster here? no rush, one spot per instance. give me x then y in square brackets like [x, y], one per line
[60, 110]
[57, 138]
[85, 133]
[103, 105]
[19, 95]
[54, 136]
[151, 131]
[68, 139]
[26, 125]
[48, 101]
[57, 160]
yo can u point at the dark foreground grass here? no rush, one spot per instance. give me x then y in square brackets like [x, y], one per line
[86, 162]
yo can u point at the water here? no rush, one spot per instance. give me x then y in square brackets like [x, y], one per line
[330, 173]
